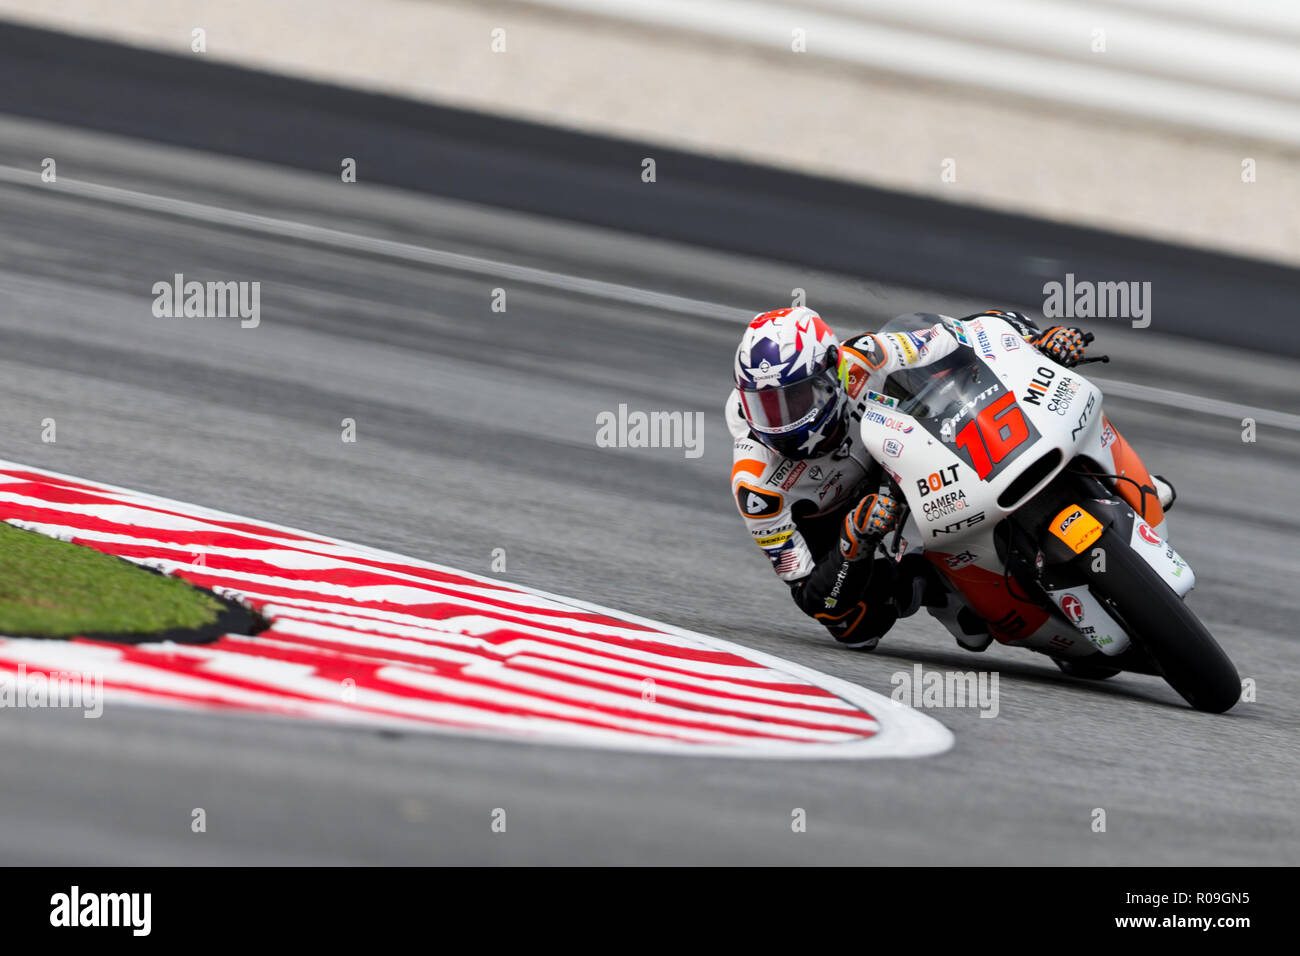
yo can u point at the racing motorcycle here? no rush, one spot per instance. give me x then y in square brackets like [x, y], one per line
[1042, 522]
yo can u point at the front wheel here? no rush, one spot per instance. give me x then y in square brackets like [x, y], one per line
[1158, 621]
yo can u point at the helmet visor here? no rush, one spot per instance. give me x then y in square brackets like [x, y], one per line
[775, 411]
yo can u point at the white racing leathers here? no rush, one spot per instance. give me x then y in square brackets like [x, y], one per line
[794, 509]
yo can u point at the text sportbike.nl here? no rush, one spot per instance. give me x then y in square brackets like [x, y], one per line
[1203, 923]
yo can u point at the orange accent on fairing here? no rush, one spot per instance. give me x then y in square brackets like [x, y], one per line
[1128, 464]
[1082, 530]
[987, 595]
[747, 466]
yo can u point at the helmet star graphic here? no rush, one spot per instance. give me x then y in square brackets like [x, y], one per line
[766, 374]
[806, 352]
[815, 435]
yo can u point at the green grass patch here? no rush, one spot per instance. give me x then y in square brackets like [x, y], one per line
[51, 588]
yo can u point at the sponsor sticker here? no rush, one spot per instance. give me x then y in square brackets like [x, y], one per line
[893, 447]
[1076, 528]
[956, 527]
[1083, 417]
[1073, 608]
[887, 400]
[1038, 386]
[832, 482]
[782, 470]
[957, 561]
[922, 339]
[794, 475]
[943, 505]
[937, 481]
[905, 345]
[948, 427]
[1063, 396]
[888, 421]
[856, 378]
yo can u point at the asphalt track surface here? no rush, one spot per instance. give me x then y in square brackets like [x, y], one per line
[476, 431]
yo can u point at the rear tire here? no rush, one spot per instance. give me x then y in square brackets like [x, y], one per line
[1158, 621]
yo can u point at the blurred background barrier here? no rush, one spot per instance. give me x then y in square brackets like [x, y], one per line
[1169, 120]
[1213, 65]
[840, 227]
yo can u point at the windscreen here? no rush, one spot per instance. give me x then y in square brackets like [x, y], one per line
[938, 388]
[960, 400]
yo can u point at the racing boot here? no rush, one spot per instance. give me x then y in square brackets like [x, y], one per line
[917, 585]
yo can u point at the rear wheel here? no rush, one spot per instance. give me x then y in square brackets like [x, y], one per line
[1158, 621]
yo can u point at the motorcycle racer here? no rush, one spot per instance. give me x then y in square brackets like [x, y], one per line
[808, 491]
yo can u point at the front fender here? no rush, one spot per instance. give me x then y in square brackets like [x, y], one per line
[1066, 544]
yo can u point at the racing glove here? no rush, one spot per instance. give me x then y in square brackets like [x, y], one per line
[1063, 345]
[873, 518]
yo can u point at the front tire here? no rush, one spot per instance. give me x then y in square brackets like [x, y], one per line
[1158, 621]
